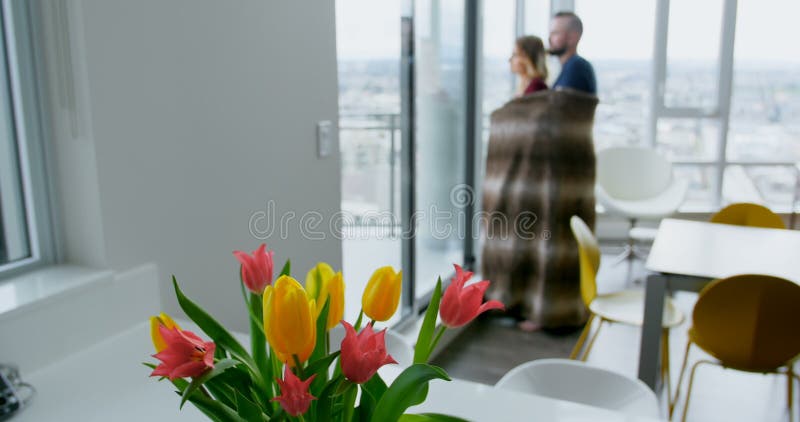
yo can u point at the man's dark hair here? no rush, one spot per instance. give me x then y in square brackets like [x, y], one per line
[575, 23]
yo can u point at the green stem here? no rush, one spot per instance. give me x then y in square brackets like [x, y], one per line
[436, 339]
[358, 321]
[275, 365]
[253, 318]
[349, 403]
[258, 343]
[299, 367]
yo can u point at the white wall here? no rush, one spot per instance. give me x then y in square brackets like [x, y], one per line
[199, 113]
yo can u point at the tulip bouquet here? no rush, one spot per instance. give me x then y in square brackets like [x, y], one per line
[291, 372]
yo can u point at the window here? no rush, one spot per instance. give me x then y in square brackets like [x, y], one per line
[368, 50]
[622, 64]
[711, 85]
[24, 216]
[765, 105]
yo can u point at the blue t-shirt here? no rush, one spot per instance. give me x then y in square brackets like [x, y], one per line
[577, 73]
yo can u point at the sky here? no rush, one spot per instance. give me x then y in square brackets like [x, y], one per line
[618, 29]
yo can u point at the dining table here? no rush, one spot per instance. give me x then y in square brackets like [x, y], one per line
[687, 255]
[107, 381]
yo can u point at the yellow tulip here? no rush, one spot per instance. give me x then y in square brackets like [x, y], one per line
[164, 320]
[321, 284]
[314, 284]
[289, 320]
[382, 294]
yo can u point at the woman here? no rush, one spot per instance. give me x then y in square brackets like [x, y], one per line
[529, 63]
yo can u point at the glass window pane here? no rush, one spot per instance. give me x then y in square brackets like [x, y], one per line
[622, 65]
[772, 186]
[765, 108]
[701, 187]
[537, 18]
[368, 49]
[693, 42]
[498, 43]
[439, 73]
[692, 139]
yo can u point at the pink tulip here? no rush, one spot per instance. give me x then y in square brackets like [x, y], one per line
[461, 304]
[256, 268]
[294, 398]
[363, 353]
[185, 355]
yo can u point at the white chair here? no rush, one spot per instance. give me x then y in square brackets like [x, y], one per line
[637, 183]
[580, 382]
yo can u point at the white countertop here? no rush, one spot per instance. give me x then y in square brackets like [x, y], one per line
[107, 381]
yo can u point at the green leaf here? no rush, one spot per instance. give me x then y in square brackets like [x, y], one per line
[287, 268]
[222, 392]
[321, 364]
[258, 342]
[322, 331]
[422, 349]
[218, 368]
[247, 409]
[430, 417]
[215, 410]
[221, 412]
[206, 409]
[374, 387]
[325, 400]
[350, 400]
[220, 353]
[371, 393]
[406, 391]
[277, 371]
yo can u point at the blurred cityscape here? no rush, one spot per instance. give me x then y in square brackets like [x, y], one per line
[764, 125]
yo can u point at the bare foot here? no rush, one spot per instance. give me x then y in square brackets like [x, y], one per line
[529, 326]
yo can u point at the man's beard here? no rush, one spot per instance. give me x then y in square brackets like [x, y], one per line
[558, 52]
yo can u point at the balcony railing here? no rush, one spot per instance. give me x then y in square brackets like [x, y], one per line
[370, 154]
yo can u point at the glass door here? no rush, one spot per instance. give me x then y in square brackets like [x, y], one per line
[439, 140]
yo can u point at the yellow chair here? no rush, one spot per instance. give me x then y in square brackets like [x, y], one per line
[625, 307]
[747, 214]
[747, 322]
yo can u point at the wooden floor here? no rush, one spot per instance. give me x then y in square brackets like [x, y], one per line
[492, 345]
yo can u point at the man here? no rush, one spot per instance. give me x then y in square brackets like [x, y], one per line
[566, 29]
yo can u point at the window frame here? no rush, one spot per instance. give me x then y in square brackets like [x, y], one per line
[23, 76]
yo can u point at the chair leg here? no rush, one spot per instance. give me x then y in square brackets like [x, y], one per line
[674, 400]
[665, 372]
[689, 389]
[789, 389]
[594, 337]
[582, 338]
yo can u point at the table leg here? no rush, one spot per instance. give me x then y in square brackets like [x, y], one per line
[650, 350]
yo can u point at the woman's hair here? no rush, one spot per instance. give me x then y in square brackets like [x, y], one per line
[533, 47]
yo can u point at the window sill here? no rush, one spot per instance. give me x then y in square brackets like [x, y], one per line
[39, 287]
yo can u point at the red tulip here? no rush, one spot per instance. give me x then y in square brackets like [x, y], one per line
[185, 355]
[256, 268]
[461, 304]
[294, 398]
[363, 353]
